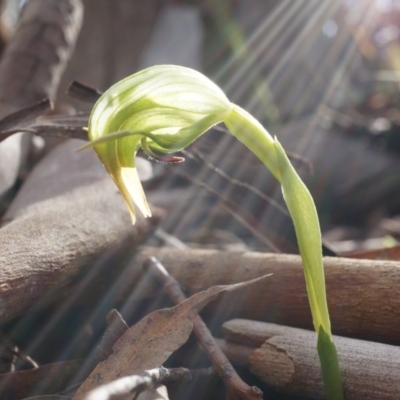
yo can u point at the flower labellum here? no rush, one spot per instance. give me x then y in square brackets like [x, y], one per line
[164, 109]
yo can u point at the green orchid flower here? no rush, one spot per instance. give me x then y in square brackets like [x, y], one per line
[164, 109]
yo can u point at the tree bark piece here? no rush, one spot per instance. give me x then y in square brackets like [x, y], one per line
[362, 294]
[238, 354]
[254, 334]
[31, 69]
[288, 361]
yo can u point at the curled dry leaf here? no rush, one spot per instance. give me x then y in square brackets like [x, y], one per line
[153, 339]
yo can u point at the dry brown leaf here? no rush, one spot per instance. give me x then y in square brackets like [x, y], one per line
[153, 339]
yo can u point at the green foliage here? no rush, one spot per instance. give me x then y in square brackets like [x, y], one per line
[165, 108]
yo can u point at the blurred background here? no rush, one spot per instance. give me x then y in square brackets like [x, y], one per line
[321, 76]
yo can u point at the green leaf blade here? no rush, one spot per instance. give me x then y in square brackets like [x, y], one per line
[329, 365]
[305, 219]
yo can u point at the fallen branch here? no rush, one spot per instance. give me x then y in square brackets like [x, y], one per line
[362, 294]
[65, 216]
[288, 361]
[44, 251]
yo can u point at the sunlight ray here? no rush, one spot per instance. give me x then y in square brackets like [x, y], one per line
[334, 85]
[332, 88]
[267, 32]
[295, 26]
[220, 149]
[96, 315]
[305, 38]
[258, 33]
[181, 217]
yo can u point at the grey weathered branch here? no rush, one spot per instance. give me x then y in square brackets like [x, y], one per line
[362, 294]
[46, 248]
[287, 360]
[65, 216]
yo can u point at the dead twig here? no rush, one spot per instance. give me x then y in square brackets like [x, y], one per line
[116, 327]
[151, 341]
[235, 387]
[23, 117]
[179, 374]
[32, 120]
[61, 126]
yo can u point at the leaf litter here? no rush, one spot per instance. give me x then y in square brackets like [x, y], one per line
[150, 342]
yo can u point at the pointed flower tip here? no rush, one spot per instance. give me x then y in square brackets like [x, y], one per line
[132, 211]
[131, 189]
[133, 216]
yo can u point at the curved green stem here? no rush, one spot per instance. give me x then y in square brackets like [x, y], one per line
[305, 219]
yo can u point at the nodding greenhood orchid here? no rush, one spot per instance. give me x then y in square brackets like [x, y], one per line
[164, 109]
